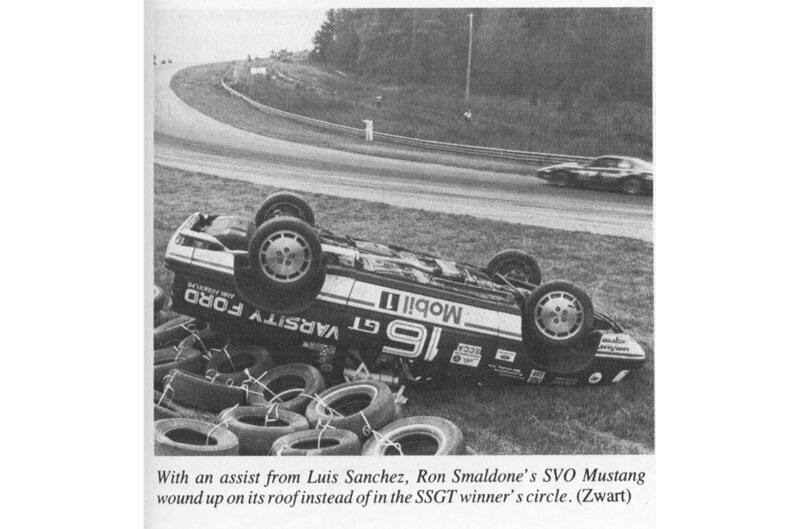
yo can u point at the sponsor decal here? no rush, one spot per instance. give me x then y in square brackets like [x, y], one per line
[620, 376]
[561, 381]
[297, 324]
[467, 349]
[213, 299]
[421, 307]
[466, 355]
[619, 346]
[507, 371]
[613, 343]
[596, 377]
[536, 376]
[505, 356]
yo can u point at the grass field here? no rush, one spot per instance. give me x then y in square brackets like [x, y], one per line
[496, 417]
[435, 112]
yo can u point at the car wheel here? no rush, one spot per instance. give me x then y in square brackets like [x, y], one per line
[558, 313]
[285, 253]
[514, 265]
[284, 204]
[283, 271]
[631, 186]
[564, 179]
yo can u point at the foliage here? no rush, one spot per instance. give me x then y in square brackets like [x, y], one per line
[579, 55]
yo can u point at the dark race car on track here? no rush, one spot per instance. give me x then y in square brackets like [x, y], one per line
[627, 175]
[401, 316]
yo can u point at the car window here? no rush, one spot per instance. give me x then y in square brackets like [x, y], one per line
[604, 162]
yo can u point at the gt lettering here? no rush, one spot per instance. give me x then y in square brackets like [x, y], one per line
[366, 325]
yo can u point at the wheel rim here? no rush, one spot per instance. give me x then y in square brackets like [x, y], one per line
[513, 269]
[286, 209]
[285, 257]
[632, 186]
[559, 315]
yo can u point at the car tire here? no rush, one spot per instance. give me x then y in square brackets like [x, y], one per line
[190, 437]
[282, 380]
[283, 271]
[158, 299]
[509, 261]
[168, 409]
[564, 179]
[203, 340]
[317, 443]
[258, 427]
[284, 204]
[417, 436]
[558, 313]
[165, 360]
[229, 368]
[631, 185]
[161, 317]
[173, 331]
[359, 406]
[200, 393]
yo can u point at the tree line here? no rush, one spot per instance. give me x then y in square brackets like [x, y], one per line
[586, 55]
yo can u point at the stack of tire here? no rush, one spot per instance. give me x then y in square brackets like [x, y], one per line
[215, 398]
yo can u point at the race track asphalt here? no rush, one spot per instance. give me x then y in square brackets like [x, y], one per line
[190, 140]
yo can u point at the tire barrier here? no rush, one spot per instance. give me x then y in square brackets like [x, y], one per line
[236, 363]
[201, 393]
[361, 407]
[290, 386]
[318, 443]
[264, 409]
[165, 360]
[173, 331]
[258, 427]
[191, 437]
[432, 436]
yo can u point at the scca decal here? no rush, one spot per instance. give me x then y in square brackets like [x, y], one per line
[421, 307]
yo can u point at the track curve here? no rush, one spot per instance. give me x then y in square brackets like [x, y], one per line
[190, 140]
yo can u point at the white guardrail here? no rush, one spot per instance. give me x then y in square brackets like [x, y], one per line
[475, 150]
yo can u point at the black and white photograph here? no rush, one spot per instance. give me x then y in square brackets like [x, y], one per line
[255, 246]
[402, 231]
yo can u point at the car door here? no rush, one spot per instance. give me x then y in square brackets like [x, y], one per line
[602, 170]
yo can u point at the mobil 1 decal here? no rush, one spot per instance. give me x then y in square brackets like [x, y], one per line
[425, 309]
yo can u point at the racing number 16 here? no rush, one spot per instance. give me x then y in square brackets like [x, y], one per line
[415, 335]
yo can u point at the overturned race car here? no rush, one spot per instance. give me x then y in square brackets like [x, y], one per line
[356, 308]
